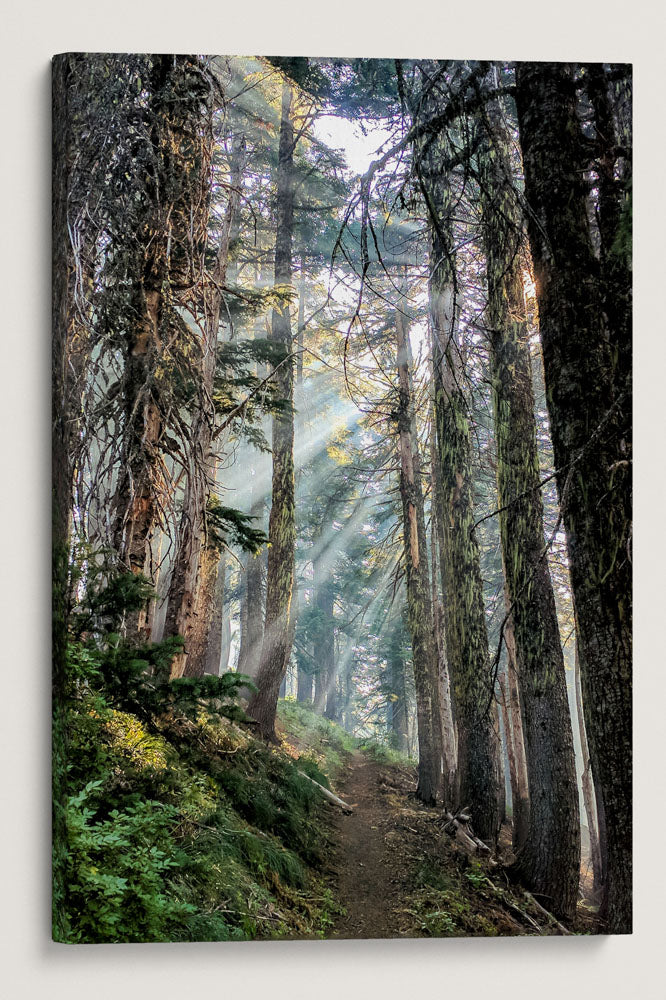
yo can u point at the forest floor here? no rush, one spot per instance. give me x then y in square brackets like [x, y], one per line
[374, 856]
[397, 873]
[391, 867]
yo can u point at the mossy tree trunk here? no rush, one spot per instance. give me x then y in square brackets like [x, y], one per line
[432, 772]
[278, 630]
[549, 860]
[437, 558]
[586, 358]
[510, 691]
[466, 636]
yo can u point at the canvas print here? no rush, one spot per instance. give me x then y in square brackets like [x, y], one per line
[341, 498]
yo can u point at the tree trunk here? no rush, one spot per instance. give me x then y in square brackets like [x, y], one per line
[589, 404]
[303, 686]
[398, 700]
[210, 637]
[437, 545]
[521, 798]
[281, 529]
[432, 772]
[140, 470]
[520, 823]
[549, 861]
[252, 598]
[192, 588]
[466, 636]
[588, 789]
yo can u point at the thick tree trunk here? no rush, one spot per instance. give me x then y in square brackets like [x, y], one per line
[466, 636]
[140, 468]
[549, 861]
[303, 686]
[589, 404]
[192, 588]
[437, 545]
[281, 529]
[210, 632]
[319, 692]
[432, 771]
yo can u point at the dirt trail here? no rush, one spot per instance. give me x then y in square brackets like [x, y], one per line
[397, 873]
[374, 861]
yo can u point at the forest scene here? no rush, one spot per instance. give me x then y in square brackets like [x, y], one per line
[342, 498]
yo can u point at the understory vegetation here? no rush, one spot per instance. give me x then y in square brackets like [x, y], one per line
[181, 825]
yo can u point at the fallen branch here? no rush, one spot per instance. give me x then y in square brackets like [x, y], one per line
[545, 912]
[521, 913]
[346, 808]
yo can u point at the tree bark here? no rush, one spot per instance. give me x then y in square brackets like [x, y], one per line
[398, 700]
[449, 736]
[210, 640]
[276, 647]
[303, 686]
[252, 598]
[432, 772]
[588, 789]
[549, 860]
[521, 798]
[196, 564]
[61, 476]
[589, 404]
[510, 752]
[466, 636]
[140, 470]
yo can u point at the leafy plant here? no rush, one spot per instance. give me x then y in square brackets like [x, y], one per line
[116, 871]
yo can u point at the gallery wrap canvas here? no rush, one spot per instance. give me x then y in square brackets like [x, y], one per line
[342, 543]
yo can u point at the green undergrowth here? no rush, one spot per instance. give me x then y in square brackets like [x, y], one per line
[458, 896]
[180, 824]
[189, 830]
[383, 754]
[321, 743]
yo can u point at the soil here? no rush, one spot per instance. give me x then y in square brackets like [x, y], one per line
[388, 839]
[375, 852]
